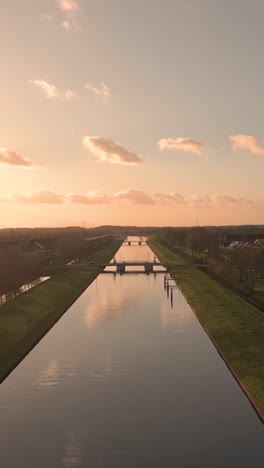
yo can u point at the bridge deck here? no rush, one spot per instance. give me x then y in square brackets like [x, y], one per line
[131, 263]
[151, 264]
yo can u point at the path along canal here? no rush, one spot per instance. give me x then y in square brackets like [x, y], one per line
[125, 380]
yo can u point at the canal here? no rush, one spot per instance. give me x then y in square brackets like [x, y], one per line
[127, 379]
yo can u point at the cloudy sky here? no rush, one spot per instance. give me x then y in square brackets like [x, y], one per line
[131, 112]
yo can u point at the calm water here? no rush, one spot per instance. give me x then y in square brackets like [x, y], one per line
[125, 380]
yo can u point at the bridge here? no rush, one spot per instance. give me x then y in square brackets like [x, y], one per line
[120, 267]
[134, 242]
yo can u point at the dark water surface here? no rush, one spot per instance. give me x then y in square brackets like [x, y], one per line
[124, 380]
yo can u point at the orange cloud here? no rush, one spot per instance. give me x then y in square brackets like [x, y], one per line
[202, 201]
[102, 90]
[130, 196]
[220, 199]
[52, 92]
[68, 5]
[108, 150]
[90, 198]
[69, 24]
[172, 197]
[240, 142]
[35, 198]
[12, 158]
[138, 197]
[183, 144]
[70, 8]
[199, 201]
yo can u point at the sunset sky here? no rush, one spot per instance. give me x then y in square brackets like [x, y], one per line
[146, 112]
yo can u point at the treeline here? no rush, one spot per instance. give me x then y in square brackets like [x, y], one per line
[192, 243]
[18, 268]
[242, 267]
[22, 233]
[70, 248]
[27, 233]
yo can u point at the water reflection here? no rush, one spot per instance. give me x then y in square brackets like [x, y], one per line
[109, 303]
[56, 374]
[72, 458]
[174, 318]
[124, 380]
[49, 376]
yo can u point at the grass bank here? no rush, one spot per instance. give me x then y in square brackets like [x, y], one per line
[28, 317]
[235, 326]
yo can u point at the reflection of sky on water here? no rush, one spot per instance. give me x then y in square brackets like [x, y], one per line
[56, 373]
[107, 304]
[49, 375]
[124, 380]
[71, 457]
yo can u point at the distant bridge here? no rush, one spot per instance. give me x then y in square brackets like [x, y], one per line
[134, 242]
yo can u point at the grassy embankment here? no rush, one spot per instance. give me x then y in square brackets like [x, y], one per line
[28, 317]
[235, 326]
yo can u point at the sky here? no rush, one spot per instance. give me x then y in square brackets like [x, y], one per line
[131, 112]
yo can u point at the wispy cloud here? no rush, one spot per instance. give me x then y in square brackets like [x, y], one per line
[90, 198]
[12, 158]
[69, 24]
[240, 142]
[135, 196]
[108, 150]
[47, 17]
[101, 90]
[197, 200]
[172, 197]
[70, 9]
[202, 201]
[221, 199]
[36, 198]
[52, 92]
[183, 144]
[68, 6]
[131, 196]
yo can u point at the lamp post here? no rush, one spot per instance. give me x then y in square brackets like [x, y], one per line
[252, 281]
